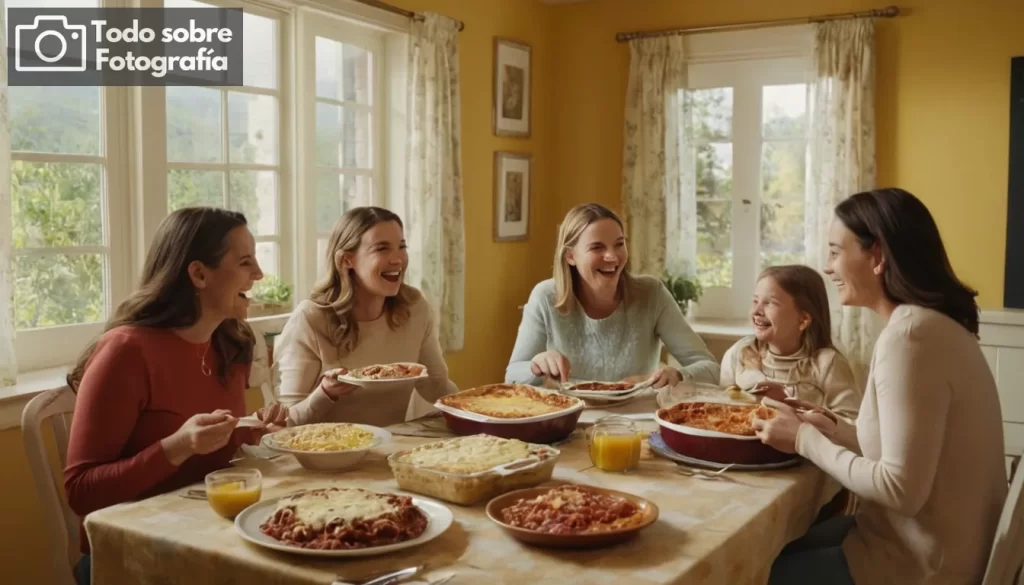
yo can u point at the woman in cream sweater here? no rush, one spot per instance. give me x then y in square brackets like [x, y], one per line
[926, 455]
[361, 314]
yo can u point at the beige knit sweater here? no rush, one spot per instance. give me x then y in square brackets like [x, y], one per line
[306, 351]
[926, 456]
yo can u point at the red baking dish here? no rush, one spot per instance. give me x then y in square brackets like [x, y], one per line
[545, 428]
[715, 446]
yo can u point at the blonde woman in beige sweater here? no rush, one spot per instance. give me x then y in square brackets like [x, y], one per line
[360, 314]
[926, 455]
[791, 354]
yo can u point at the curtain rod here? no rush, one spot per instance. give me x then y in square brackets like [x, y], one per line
[402, 11]
[888, 12]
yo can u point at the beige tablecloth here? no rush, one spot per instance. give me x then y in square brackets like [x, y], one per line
[723, 531]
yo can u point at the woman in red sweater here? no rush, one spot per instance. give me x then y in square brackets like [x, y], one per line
[160, 393]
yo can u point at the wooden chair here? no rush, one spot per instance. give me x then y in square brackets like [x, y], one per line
[57, 407]
[1007, 556]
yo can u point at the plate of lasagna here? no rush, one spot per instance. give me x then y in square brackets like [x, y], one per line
[383, 374]
[571, 516]
[342, 522]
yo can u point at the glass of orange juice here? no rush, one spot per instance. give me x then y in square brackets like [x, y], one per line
[229, 491]
[614, 444]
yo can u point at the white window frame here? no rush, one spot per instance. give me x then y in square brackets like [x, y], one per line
[385, 35]
[135, 135]
[746, 61]
[285, 177]
[47, 346]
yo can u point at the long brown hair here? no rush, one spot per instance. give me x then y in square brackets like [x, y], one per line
[166, 297]
[807, 288]
[569, 233]
[336, 293]
[917, 269]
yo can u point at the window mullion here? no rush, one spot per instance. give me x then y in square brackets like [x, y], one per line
[746, 191]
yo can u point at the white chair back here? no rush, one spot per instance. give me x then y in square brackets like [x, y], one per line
[57, 406]
[1007, 557]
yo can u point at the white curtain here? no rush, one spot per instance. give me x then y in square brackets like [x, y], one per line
[842, 161]
[658, 182]
[8, 365]
[433, 195]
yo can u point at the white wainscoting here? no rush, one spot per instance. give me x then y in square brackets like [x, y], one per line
[1002, 342]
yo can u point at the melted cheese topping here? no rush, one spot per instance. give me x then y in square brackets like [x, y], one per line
[509, 405]
[471, 454]
[508, 401]
[318, 508]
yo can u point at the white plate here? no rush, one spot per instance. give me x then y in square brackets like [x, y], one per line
[604, 394]
[439, 518]
[357, 381]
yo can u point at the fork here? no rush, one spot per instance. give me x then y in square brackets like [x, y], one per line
[703, 474]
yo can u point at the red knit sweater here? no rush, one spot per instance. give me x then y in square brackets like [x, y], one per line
[141, 385]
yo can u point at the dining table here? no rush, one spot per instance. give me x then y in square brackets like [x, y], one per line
[726, 529]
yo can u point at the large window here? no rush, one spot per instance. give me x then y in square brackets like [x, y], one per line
[68, 175]
[344, 97]
[94, 170]
[224, 148]
[749, 122]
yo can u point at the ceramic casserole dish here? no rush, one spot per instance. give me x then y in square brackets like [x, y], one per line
[512, 411]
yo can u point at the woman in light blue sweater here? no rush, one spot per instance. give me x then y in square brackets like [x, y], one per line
[594, 321]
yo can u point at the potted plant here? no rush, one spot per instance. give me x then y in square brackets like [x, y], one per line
[270, 296]
[685, 290]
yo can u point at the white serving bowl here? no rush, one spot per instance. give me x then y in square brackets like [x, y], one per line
[331, 460]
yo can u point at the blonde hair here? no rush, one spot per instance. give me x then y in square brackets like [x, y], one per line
[807, 288]
[569, 233]
[336, 291]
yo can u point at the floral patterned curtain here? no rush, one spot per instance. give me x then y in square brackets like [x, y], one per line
[658, 174]
[8, 364]
[433, 206]
[842, 162]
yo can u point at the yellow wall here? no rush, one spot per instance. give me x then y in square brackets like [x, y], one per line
[499, 276]
[942, 106]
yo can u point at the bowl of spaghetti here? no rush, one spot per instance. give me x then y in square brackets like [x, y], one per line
[327, 446]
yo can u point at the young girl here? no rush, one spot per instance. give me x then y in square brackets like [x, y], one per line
[361, 314]
[791, 353]
[594, 321]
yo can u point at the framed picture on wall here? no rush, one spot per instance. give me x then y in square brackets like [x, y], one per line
[512, 88]
[511, 196]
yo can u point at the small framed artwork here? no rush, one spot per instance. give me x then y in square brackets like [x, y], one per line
[511, 196]
[512, 88]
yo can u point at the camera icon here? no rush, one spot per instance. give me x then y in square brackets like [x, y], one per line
[50, 40]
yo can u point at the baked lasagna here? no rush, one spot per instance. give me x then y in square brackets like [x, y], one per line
[508, 401]
[602, 386]
[388, 372]
[323, 437]
[573, 510]
[469, 455]
[344, 518]
[732, 419]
